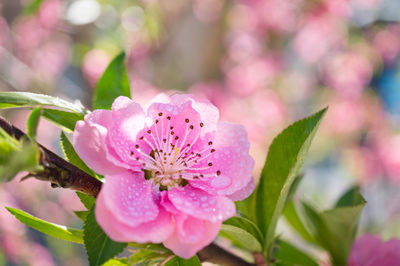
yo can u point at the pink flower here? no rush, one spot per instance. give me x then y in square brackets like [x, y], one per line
[172, 171]
[369, 250]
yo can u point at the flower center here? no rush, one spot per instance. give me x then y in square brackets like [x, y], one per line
[172, 159]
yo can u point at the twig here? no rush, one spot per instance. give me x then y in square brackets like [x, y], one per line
[57, 171]
[61, 173]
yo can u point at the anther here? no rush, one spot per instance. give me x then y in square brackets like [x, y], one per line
[218, 172]
[159, 114]
[176, 138]
[210, 143]
[137, 146]
[201, 124]
[172, 133]
[168, 117]
[187, 120]
[131, 153]
[149, 131]
[209, 164]
[212, 150]
[191, 127]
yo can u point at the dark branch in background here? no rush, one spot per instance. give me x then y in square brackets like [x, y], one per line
[61, 173]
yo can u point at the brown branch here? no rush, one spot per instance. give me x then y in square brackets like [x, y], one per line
[215, 254]
[61, 173]
[57, 171]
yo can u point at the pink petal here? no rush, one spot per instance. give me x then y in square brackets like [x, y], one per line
[128, 119]
[200, 204]
[231, 158]
[89, 143]
[244, 192]
[364, 250]
[387, 254]
[155, 231]
[101, 117]
[209, 113]
[181, 122]
[129, 196]
[191, 235]
[104, 118]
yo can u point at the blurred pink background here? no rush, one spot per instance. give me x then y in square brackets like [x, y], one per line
[264, 63]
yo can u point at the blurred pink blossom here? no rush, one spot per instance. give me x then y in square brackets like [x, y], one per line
[387, 43]
[345, 116]
[276, 15]
[348, 72]
[341, 8]
[244, 47]
[51, 59]
[211, 91]
[319, 34]
[369, 250]
[49, 13]
[388, 152]
[93, 65]
[249, 77]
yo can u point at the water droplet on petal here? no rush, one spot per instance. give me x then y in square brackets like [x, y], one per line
[221, 181]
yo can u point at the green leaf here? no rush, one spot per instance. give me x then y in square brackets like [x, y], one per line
[177, 261]
[99, 247]
[285, 157]
[12, 99]
[148, 257]
[243, 233]
[81, 214]
[66, 120]
[293, 188]
[51, 229]
[32, 7]
[350, 198]
[17, 156]
[72, 156]
[113, 83]
[150, 246]
[117, 262]
[335, 229]
[87, 201]
[33, 122]
[287, 254]
[295, 221]
[245, 207]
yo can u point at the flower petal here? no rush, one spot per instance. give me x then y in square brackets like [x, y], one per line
[200, 204]
[209, 113]
[364, 250]
[191, 235]
[129, 196]
[128, 119]
[155, 231]
[231, 159]
[89, 143]
[243, 193]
